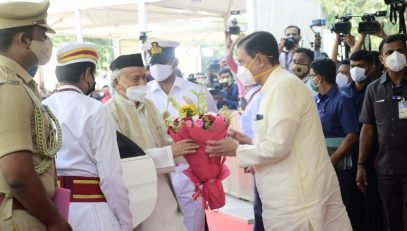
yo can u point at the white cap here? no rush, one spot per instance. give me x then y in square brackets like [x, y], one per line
[76, 52]
[161, 43]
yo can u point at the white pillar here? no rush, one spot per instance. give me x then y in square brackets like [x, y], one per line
[252, 23]
[142, 16]
[79, 36]
[198, 58]
[275, 15]
[116, 47]
[142, 22]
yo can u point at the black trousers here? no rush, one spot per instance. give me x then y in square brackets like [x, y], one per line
[369, 213]
[352, 199]
[373, 206]
[258, 210]
[393, 192]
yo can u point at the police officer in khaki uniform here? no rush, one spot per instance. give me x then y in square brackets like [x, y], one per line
[29, 133]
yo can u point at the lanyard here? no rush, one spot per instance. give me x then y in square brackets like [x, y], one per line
[252, 96]
[69, 89]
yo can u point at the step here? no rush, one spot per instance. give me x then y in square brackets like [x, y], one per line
[238, 208]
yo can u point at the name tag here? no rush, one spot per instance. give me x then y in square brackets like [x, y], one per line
[402, 110]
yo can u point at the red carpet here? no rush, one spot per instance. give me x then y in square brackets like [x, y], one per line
[222, 222]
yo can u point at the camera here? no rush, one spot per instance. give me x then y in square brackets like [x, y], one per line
[369, 24]
[343, 26]
[290, 42]
[235, 12]
[234, 28]
[143, 36]
[214, 66]
[391, 2]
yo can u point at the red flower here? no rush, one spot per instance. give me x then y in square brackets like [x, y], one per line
[205, 172]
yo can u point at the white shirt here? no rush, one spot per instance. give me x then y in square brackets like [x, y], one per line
[180, 88]
[285, 59]
[296, 181]
[89, 148]
[252, 108]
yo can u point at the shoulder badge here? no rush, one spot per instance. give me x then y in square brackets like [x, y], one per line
[156, 49]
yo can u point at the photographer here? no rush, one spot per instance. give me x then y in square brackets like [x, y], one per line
[229, 94]
[380, 33]
[230, 61]
[202, 79]
[288, 44]
[317, 47]
[348, 39]
[211, 77]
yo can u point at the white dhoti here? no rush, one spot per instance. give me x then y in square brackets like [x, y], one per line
[194, 214]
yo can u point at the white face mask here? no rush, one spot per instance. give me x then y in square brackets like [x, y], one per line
[244, 76]
[299, 70]
[358, 74]
[42, 50]
[341, 80]
[161, 72]
[136, 93]
[396, 61]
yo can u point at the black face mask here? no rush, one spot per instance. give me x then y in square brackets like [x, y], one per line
[91, 88]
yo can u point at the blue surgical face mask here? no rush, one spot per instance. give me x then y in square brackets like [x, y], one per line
[33, 70]
[314, 86]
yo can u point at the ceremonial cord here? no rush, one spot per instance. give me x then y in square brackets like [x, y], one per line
[47, 146]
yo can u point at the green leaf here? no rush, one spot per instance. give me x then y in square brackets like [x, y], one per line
[201, 102]
[174, 103]
[187, 100]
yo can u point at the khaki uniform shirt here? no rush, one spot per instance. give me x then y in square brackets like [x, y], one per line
[17, 133]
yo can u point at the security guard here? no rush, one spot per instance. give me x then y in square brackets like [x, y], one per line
[29, 133]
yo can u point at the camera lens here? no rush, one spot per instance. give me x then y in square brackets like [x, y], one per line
[289, 43]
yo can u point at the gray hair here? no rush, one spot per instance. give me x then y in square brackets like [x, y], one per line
[115, 75]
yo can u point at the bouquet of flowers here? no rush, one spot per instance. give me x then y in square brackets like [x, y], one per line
[205, 172]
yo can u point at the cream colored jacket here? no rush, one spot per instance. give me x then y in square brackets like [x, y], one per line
[294, 175]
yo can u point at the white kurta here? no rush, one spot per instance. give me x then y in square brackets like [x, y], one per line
[253, 98]
[194, 214]
[89, 148]
[149, 133]
[297, 184]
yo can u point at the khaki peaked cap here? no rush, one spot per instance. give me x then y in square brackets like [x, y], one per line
[24, 13]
